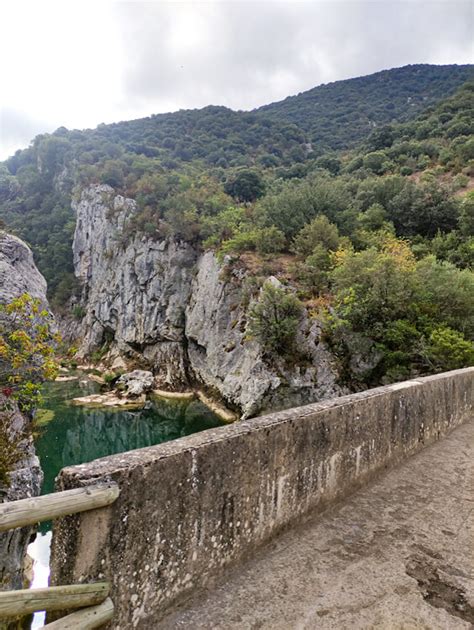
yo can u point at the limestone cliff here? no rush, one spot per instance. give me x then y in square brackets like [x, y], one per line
[221, 355]
[18, 275]
[24, 481]
[181, 313]
[135, 290]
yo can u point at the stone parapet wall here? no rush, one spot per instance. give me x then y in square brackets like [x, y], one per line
[189, 508]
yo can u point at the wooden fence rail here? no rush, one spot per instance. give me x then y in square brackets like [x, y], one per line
[96, 607]
[87, 619]
[50, 506]
[27, 601]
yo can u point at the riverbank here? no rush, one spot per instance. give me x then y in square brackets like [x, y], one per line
[139, 398]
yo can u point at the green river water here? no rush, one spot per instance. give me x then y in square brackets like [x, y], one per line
[69, 434]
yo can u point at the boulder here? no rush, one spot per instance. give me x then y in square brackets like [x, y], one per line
[136, 383]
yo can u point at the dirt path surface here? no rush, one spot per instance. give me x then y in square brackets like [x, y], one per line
[398, 554]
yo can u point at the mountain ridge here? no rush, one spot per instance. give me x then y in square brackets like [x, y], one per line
[401, 83]
[282, 111]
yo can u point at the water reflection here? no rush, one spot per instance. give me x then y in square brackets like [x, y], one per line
[74, 435]
[69, 435]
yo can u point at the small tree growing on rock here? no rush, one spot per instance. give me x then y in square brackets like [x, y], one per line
[26, 350]
[26, 358]
[274, 319]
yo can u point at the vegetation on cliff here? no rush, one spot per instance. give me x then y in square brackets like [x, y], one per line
[26, 359]
[378, 240]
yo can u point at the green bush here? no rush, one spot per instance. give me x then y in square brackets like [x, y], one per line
[447, 349]
[320, 232]
[269, 240]
[78, 312]
[246, 185]
[274, 319]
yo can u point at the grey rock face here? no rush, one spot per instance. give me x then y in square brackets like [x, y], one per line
[170, 309]
[24, 481]
[134, 293]
[18, 273]
[218, 351]
[222, 356]
[136, 383]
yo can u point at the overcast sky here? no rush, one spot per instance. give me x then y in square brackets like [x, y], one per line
[80, 63]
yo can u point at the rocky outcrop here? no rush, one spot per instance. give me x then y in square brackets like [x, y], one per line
[24, 480]
[222, 356]
[135, 290]
[181, 313]
[136, 383]
[18, 275]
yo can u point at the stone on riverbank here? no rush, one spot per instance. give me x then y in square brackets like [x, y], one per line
[110, 399]
[136, 383]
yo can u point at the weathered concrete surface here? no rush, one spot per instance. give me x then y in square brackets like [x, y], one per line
[190, 507]
[358, 565]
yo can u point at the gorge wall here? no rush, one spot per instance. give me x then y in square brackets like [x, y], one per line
[180, 312]
[18, 275]
[18, 272]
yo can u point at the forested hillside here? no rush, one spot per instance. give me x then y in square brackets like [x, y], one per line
[338, 115]
[376, 242]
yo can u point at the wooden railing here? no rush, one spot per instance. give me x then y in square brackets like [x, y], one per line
[96, 607]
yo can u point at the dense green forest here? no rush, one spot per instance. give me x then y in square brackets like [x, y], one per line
[339, 115]
[377, 241]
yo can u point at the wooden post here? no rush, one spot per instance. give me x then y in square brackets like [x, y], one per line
[86, 619]
[50, 506]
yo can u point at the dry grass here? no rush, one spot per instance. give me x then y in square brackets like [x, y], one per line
[278, 265]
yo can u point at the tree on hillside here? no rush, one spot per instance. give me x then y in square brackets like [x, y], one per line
[320, 232]
[274, 319]
[247, 185]
[26, 359]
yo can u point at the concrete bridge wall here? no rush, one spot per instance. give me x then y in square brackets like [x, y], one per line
[190, 507]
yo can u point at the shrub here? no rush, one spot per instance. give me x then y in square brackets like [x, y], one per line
[375, 162]
[313, 272]
[26, 350]
[26, 359]
[78, 312]
[242, 241]
[319, 233]
[274, 319]
[447, 349]
[269, 240]
[247, 185]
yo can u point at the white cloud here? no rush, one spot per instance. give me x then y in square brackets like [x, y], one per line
[79, 63]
